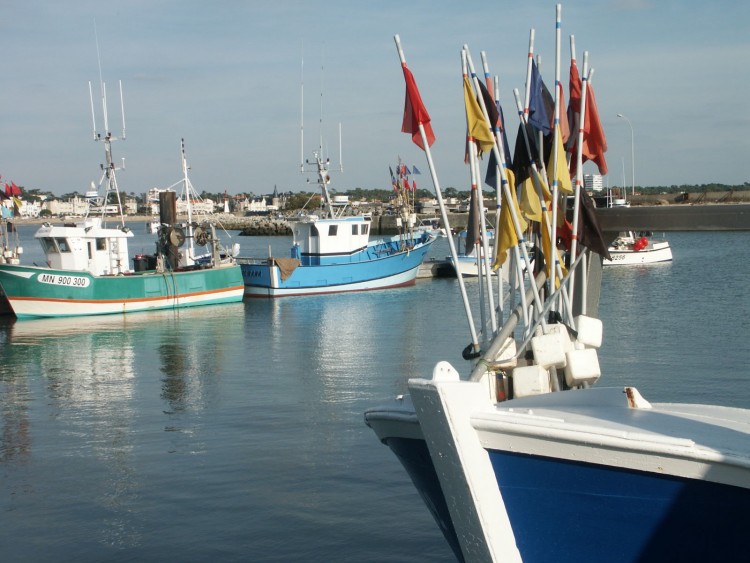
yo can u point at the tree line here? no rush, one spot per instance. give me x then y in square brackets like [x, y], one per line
[296, 200]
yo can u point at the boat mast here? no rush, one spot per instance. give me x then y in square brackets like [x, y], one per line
[322, 164]
[109, 168]
[188, 198]
[302, 117]
[324, 178]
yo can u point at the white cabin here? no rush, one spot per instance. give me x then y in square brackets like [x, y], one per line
[331, 237]
[86, 247]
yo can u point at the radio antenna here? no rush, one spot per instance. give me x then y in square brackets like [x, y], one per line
[302, 113]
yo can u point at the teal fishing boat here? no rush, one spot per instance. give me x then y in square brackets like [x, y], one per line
[88, 267]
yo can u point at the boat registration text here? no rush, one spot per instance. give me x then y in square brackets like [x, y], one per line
[74, 281]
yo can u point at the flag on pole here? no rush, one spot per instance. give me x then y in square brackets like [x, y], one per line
[541, 103]
[589, 232]
[564, 125]
[503, 134]
[574, 106]
[475, 122]
[531, 206]
[491, 177]
[489, 103]
[415, 170]
[415, 113]
[472, 226]
[594, 141]
[561, 175]
[508, 237]
[521, 158]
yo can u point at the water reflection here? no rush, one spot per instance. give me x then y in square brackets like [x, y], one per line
[80, 393]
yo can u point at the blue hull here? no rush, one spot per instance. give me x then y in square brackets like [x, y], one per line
[562, 511]
[379, 266]
[565, 511]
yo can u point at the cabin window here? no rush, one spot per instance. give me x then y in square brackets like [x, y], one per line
[101, 244]
[90, 247]
[332, 230]
[354, 229]
[48, 244]
[314, 231]
[62, 244]
[365, 228]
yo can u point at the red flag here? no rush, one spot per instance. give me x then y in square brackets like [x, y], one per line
[415, 113]
[14, 190]
[564, 125]
[594, 141]
[574, 108]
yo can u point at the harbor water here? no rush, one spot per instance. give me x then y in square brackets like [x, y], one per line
[236, 433]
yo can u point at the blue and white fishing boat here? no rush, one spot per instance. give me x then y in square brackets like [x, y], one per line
[524, 459]
[332, 253]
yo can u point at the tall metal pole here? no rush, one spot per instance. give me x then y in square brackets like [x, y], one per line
[632, 147]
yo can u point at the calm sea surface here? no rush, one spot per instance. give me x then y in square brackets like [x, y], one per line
[235, 433]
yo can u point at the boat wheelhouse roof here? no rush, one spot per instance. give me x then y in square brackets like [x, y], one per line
[89, 228]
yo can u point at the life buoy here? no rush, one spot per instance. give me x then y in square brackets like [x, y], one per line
[640, 244]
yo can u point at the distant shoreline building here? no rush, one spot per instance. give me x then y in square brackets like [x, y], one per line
[593, 182]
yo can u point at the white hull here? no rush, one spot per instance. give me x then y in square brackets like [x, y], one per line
[630, 249]
[30, 308]
[656, 251]
[467, 266]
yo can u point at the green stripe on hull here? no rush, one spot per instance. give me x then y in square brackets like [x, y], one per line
[44, 292]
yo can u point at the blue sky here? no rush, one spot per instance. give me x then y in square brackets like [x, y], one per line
[226, 76]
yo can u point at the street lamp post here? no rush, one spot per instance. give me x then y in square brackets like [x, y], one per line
[632, 148]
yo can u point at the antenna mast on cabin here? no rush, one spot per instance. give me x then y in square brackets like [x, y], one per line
[108, 177]
[302, 114]
[321, 162]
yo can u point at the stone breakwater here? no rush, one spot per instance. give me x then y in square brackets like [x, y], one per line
[380, 225]
[684, 217]
[258, 226]
[266, 226]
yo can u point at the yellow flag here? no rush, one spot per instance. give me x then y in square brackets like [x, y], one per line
[546, 193]
[531, 207]
[508, 238]
[475, 121]
[563, 176]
